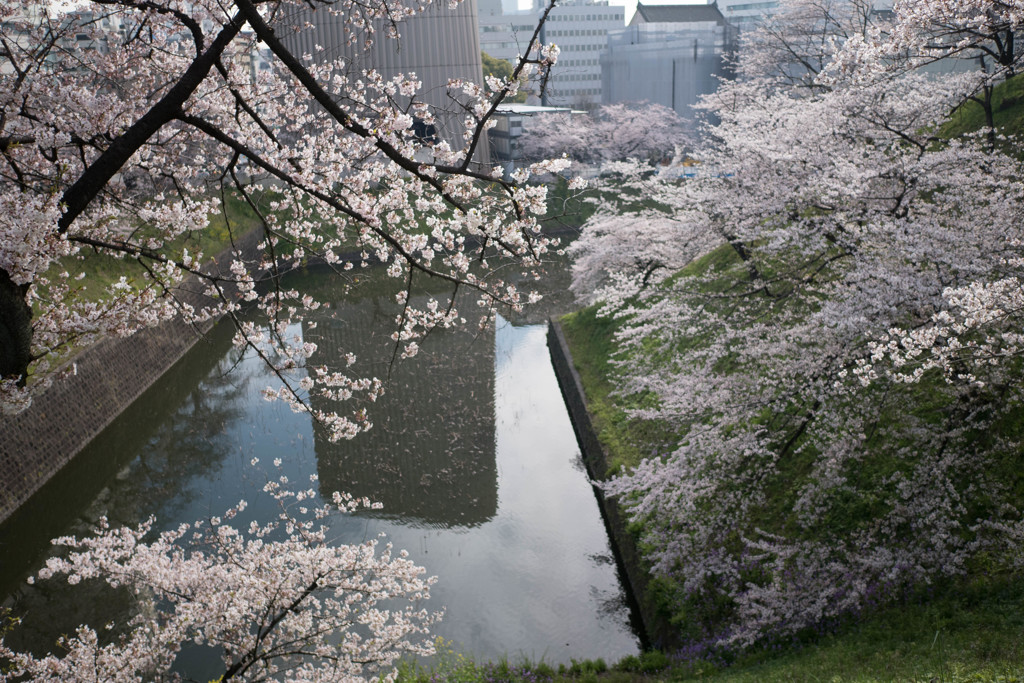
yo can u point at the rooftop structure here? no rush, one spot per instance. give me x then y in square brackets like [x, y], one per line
[677, 14]
[505, 36]
[744, 14]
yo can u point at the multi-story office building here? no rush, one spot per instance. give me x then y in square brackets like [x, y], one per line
[437, 44]
[579, 28]
[506, 36]
[581, 31]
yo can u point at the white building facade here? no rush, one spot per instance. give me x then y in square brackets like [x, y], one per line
[581, 32]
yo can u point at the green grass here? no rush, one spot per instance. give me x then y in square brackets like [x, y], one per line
[1007, 112]
[974, 633]
[626, 440]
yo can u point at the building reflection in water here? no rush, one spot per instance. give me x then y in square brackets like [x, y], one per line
[427, 466]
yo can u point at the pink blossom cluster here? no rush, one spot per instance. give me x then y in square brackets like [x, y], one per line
[613, 132]
[978, 330]
[275, 600]
[927, 31]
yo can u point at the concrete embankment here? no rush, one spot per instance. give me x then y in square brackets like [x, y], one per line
[657, 629]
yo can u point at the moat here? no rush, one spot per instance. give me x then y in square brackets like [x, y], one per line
[472, 455]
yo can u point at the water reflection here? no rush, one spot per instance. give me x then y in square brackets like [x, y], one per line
[179, 407]
[429, 458]
[137, 467]
[472, 454]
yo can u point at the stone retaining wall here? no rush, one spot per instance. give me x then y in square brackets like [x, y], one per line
[37, 443]
[657, 629]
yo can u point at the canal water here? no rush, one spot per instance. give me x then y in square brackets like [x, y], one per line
[472, 455]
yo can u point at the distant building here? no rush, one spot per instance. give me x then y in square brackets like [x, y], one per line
[581, 31]
[436, 44]
[99, 29]
[744, 14]
[669, 54]
[505, 36]
[489, 8]
[260, 60]
[579, 28]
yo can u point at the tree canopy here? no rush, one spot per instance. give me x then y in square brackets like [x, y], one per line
[840, 366]
[502, 70]
[125, 127]
[613, 132]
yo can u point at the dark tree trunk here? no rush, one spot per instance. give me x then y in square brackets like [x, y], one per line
[15, 329]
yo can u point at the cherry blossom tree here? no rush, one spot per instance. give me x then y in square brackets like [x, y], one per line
[946, 32]
[629, 246]
[277, 599]
[975, 327]
[927, 31]
[613, 132]
[124, 127]
[800, 39]
[125, 124]
[819, 466]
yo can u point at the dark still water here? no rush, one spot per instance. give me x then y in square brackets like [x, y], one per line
[471, 453]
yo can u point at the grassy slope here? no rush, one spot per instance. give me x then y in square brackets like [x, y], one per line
[102, 270]
[1007, 112]
[963, 632]
[626, 441]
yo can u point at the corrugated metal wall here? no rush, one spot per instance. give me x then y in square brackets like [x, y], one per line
[437, 44]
